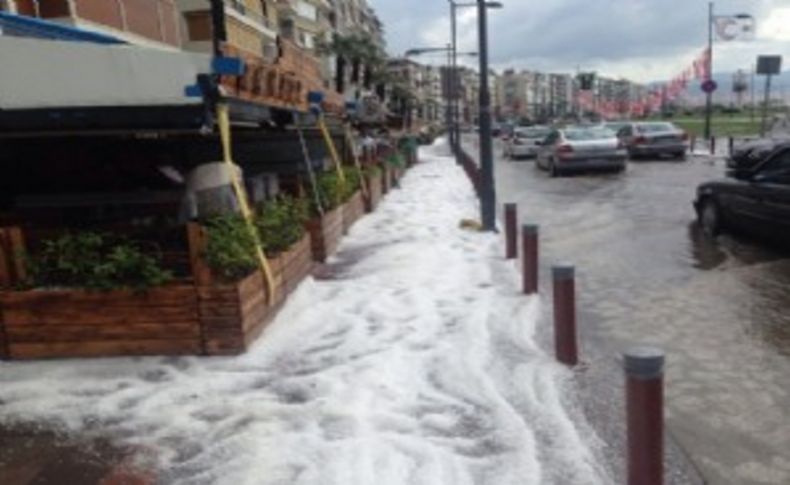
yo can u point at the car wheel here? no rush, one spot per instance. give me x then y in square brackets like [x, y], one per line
[709, 217]
[681, 156]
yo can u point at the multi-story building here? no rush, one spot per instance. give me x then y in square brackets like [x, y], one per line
[306, 22]
[153, 23]
[560, 95]
[431, 93]
[250, 25]
[513, 94]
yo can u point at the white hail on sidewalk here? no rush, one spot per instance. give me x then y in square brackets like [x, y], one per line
[414, 364]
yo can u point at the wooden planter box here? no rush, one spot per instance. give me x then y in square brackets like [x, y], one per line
[353, 210]
[375, 191]
[233, 315]
[325, 233]
[386, 178]
[201, 317]
[80, 323]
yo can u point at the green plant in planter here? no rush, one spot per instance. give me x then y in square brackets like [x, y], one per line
[351, 184]
[94, 261]
[280, 222]
[373, 170]
[230, 247]
[329, 192]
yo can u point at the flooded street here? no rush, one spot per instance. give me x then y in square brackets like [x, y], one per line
[646, 275]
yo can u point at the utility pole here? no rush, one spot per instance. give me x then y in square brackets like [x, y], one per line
[456, 134]
[448, 111]
[754, 72]
[709, 95]
[767, 100]
[488, 190]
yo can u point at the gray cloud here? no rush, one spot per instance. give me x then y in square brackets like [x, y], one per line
[559, 34]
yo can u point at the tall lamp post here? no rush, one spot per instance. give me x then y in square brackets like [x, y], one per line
[487, 189]
[455, 137]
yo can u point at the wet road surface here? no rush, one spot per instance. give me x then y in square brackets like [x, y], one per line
[721, 309]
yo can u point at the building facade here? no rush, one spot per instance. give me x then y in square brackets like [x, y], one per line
[155, 23]
[250, 25]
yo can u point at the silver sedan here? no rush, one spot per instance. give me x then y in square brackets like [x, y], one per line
[525, 142]
[581, 148]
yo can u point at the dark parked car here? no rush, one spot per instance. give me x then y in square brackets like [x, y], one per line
[755, 200]
[748, 154]
[654, 139]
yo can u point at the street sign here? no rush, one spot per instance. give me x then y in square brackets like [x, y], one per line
[708, 86]
[769, 65]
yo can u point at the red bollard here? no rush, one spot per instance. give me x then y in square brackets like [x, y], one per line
[511, 218]
[565, 346]
[712, 145]
[644, 387]
[529, 255]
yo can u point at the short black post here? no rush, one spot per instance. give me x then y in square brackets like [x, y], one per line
[693, 143]
[565, 342]
[713, 145]
[731, 143]
[529, 255]
[644, 383]
[511, 218]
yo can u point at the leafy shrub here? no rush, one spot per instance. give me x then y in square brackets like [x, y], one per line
[230, 246]
[280, 223]
[373, 170]
[351, 184]
[95, 261]
[328, 191]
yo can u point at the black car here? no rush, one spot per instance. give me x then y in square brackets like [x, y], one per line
[754, 199]
[748, 154]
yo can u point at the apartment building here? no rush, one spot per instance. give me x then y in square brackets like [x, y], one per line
[153, 23]
[250, 25]
[305, 22]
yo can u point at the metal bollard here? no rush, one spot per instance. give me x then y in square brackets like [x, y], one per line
[565, 346]
[713, 145]
[693, 143]
[511, 217]
[731, 143]
[644, 384]
[529, 258]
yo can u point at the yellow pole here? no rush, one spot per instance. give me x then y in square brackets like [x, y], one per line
[350, 142]
[223, 119]
[331, 146]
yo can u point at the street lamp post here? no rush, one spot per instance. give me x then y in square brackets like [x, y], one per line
[454, 6]
[709, 74]
[488, 191]
[455, 129]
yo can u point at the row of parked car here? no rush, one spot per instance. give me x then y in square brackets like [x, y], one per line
[753, 197]
[606, 146]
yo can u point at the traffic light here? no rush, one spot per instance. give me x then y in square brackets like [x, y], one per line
[586, 81]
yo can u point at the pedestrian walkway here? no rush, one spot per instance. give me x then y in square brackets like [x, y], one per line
[411, 360]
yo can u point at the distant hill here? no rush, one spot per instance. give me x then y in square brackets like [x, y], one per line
[780, 88]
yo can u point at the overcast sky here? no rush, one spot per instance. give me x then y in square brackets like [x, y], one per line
[643, 40]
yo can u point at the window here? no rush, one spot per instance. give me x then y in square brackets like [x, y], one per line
[305, 10]
[776, 169]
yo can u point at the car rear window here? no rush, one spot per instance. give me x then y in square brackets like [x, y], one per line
[533, 132]
[582, 134]
[655, 127]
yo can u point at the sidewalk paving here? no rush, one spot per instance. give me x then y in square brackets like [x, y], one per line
[412, 360]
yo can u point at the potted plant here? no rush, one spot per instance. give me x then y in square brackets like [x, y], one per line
[89, 294]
